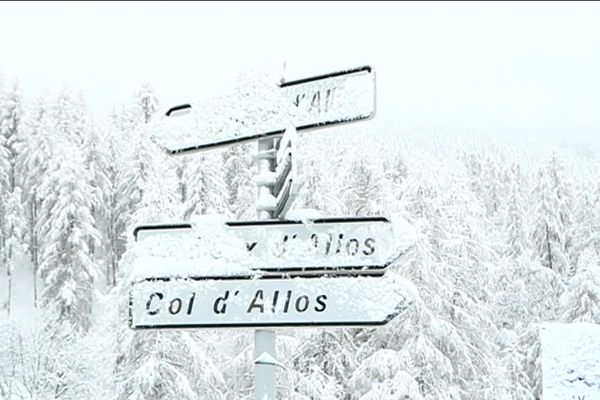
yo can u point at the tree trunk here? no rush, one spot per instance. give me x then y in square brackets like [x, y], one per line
[7, 261]
[549, 247]
[34, 244]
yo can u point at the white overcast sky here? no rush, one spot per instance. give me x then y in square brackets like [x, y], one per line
[519, 67]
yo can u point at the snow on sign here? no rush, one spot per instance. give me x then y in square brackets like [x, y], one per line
[329, 244]
[283, 180]
[220, 303]
[313, 102]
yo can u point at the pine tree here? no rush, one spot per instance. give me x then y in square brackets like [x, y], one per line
[586, 222]
[514, 360]
[12, 220]
[239, 179]
[515, 228]
[315, 191]
[531, 346]
[66, 223]
[362, 192]
[146, 103]
[11, 116]
[581, 300]
[323, 365]
[395, 174]
[115, 206]
[382, 376]
[550, 230]
[207, 188]
[144, 166]
[149, 184]
[100, 166]
[14, 230]
[446, 342]
[33, 159]
[67, 270]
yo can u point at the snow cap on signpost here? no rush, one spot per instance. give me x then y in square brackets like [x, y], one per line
[283, 182]
[263, 109]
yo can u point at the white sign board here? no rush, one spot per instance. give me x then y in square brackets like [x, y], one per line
[314, 102]
[570, 361]
[329, 244]
[222, 303]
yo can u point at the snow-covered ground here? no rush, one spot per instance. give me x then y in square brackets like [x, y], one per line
[22, 298]
[571, 361]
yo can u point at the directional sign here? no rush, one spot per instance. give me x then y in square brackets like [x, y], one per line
[329, 244]
[224, 303]
[313, 102]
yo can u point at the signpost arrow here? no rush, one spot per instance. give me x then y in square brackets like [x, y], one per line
[314, 102]
[244, 302]
[317, 250]
[359, 244]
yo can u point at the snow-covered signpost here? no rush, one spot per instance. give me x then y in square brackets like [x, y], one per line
[302, 273]
[254, 303]
[265, 341]
[354, 245]
[315, 102]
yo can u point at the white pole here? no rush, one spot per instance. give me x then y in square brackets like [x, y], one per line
[264, 339]
[264, 374]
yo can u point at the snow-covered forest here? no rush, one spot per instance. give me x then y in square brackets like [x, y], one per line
[507, 238]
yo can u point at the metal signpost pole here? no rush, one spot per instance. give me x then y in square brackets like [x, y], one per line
[317, 102]
[264, 339]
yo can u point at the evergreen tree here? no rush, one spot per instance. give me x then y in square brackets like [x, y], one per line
[314, 191]
[549, 235]
[514, 360]
[581, 300]
[239, 180]
[395, 174]
[207, 188]
[146, 103]
[100, 168]
[515, 228]
[362, 191]
[12, 220]
[115, 210]
[531, 347]
[67, 269]
[66, 223]
[32, 160]
[11, 116]
[447, 340]
[323, 366]
[586, 225]
[14, 231]
[144, 166]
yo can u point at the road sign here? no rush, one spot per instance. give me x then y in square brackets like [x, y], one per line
[359, 244]
[223, 303]
[319, 101]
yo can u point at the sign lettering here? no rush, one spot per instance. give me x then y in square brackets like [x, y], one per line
[319, 101]
[242, 301]
[325, 244]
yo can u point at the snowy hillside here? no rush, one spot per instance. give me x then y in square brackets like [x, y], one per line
[439, 162]
[505, 238]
